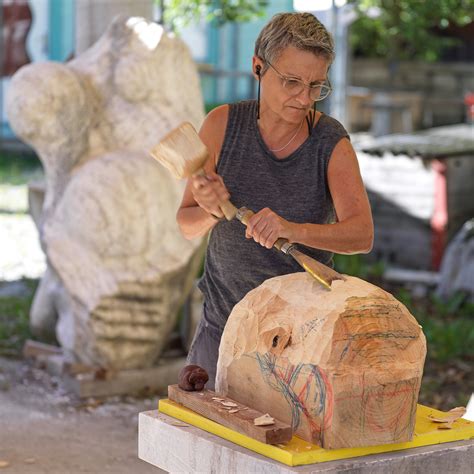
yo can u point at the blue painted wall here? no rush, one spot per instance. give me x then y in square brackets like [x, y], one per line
[61, 34]
[61, 42]
[230, 48]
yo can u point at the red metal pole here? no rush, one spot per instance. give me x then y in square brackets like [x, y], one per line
[439, 219]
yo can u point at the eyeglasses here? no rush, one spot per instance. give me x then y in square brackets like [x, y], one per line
[294, 86]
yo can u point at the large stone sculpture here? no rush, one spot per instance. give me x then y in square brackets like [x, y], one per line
[118, 268]
[343, 367]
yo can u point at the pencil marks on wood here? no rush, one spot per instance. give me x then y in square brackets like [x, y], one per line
[342, 367]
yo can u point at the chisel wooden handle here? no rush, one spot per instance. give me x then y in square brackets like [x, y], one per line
[244, 216]
[320, 272]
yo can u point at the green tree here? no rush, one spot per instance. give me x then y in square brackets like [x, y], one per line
[406, 29]
[178, 13]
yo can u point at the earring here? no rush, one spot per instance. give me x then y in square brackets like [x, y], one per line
[258, 96]
[257, 72]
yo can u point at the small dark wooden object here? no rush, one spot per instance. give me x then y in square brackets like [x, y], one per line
[192, 378]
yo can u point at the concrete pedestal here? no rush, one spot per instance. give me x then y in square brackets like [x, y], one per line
[177, 447]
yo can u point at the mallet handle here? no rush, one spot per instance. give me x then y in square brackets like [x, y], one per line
[227, 208]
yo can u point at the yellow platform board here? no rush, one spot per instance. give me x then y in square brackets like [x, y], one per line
[298, 451]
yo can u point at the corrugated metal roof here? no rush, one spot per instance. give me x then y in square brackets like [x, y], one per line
[439, 142]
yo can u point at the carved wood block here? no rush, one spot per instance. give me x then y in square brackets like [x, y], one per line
[343, 367]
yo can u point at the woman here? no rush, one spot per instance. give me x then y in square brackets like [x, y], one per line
[292, 165]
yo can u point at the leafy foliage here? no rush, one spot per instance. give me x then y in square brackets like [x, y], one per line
[406, 29]
[356, 265]
[18, 168]
[447, 325]
[14, 320]
[179, 13]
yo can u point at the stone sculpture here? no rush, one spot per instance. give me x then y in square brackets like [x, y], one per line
[343, 367]
[118, 268]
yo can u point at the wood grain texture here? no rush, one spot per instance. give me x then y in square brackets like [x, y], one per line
[342, 367]
[242, 420]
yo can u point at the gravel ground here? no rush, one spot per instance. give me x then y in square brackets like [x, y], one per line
[47, 431]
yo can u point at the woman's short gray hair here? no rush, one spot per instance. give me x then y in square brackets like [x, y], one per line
[301, 30]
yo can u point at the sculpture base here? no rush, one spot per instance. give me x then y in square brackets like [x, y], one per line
[159, 434]
[128, 382]
[85, 381]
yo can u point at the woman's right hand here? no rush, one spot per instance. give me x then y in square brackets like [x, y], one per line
[209, 192]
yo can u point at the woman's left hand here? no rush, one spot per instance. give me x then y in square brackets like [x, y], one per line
[266, 226]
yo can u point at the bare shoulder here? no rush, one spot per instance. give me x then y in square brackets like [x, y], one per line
[213, 130]
[218, 114]
[344, 149]
[343, 164]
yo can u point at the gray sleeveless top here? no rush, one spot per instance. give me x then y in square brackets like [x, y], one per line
[294, 187]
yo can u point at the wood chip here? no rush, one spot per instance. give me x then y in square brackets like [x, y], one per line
[264, 420]
[177, 423]
[446, 426]
[217, 399]
[229, 404]
[233, 411]
[30, 460]
[4, 463]
[452, 415]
